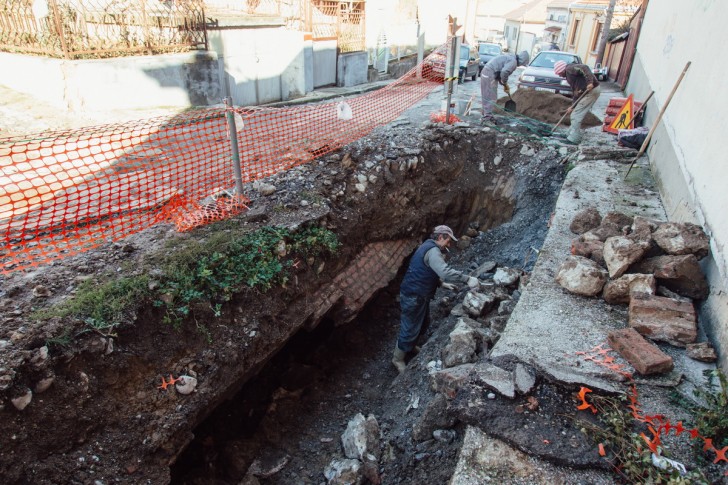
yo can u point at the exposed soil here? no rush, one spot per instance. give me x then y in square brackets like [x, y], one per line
[103, 419]
[546, 107]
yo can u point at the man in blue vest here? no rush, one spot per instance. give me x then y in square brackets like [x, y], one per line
[427, 270]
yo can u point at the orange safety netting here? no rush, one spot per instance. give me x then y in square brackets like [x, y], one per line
[65, 192]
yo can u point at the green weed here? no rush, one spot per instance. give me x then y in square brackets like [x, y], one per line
[199, 276]
[102, 306]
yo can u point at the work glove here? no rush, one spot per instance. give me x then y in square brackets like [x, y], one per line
[473, 282]
[507, 89]
[449, 286]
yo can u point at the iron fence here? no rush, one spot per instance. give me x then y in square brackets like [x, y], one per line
[101, 28]
[334, 19]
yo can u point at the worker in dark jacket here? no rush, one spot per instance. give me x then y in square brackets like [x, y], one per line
[498, 70]
[582, 82]
[427, 270]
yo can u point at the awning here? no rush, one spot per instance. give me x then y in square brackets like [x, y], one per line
[552, 29]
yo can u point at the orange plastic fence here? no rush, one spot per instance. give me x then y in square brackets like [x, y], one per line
[68, 191]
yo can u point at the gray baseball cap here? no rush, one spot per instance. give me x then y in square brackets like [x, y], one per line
[445, 230]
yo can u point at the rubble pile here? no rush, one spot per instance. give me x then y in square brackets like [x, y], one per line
[649, 265]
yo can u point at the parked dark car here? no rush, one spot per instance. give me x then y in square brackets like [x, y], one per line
[540, 74]
[487, 51]
[469, 65]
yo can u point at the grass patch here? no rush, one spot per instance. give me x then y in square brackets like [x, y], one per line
[102, 306]
[199, 276]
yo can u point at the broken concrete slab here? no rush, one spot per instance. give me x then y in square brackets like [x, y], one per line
[484, 459]
[495, 378]
[644, 356]
[525, 379]
[663, 319]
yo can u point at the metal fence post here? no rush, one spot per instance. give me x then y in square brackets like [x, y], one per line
[450, 75]
[59, 28]
[234, 145]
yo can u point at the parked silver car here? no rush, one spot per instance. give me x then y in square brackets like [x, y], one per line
[539, 74]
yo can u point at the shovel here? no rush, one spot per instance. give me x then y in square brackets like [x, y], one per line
[510, 104]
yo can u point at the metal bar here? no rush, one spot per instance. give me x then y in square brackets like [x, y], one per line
[642, 106]
[59, 28]
[234, 145]
[659, 118]
[451, 73]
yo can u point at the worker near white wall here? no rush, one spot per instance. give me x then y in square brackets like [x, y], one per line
[586, 90]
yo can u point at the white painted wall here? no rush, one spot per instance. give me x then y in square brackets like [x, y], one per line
[169, 80]
[688, 152]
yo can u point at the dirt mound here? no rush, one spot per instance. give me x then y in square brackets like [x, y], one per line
[546, 107]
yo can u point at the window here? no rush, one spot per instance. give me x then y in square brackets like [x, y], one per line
[574, 30]
[506, 33]
[596, 36]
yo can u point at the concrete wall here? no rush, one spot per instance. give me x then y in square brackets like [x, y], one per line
[352, 68]
[258, 65]
[687, 152]
[324, 62]
[170, 80]
[263, 64]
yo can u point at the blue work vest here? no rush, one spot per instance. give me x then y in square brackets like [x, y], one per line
[420, 279]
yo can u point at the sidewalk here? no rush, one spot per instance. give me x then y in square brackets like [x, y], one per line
[550, 325]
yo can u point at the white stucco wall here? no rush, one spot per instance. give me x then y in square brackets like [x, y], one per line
[688, 151]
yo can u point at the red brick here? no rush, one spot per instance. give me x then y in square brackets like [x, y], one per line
[644, 356]
[665, 319]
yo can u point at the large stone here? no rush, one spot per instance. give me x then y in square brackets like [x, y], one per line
[476, 304]
[506, 276]
[461, 347]
[602, 232]
[486, 267]
[344, 472]
[525, 379]
[435, 416]
[682, 238]
[644, 356]
[620, 219]
[584, 220]
[619, 290]
[621, 251]
[581, 276]
[663, 319]
[495, 378]
[702, 351]
[361, 438]
[681, 274]
[580, 247]
[449, 381]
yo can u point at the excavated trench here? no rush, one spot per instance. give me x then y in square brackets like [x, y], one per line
[280, 374]
[285, 424]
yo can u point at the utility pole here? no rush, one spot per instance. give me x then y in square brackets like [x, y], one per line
[605, 32]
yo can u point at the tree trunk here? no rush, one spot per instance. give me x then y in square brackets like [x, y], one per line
[605, 32]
